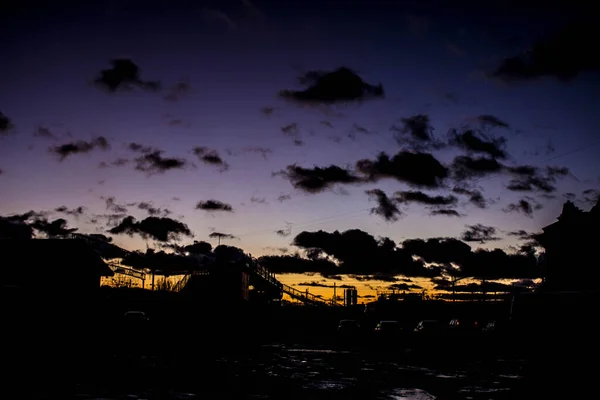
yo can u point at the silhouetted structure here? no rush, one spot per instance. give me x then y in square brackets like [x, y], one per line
[50, 270]
[571, 255]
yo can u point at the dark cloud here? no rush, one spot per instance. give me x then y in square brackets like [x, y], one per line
[459, 260]
[339, 86]
[529, 178]
[470, 140]
[6, 124]
[475, 196]
[416, 132]
[524, 206]
[562, 55]
[152, 210]
[140, 148]
[317, 179]
[13, 227]
[294, 264]
[385, 206]
[424, 198]
[591, 196]
[521, 234]
[113, 206]
[446, 212]
[79, 147]
[284, 232]
[200, 247]
[466, 167]
[124, 75]
[569, 196]
[359, 253]
[76, 212]
[161, 263]
[415, 169]
[403, 286]
[213, 205]
[162, 229]
[221, 235]
[57, 228]
[210, 156]
[491, 121]
[154, 162]
[479, 233]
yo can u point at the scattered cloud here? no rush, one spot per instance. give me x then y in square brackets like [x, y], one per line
[161, 229]
[213, 205]
[386, 208]
[6, 124]
[211, 157]
[562, 55]
[524, 206]
[317, 179]
[479, 233]
[76, 212]
[338, 86]
[79, 147]
[178, 91]
[124, 75]
[424, 198]
[154, 162]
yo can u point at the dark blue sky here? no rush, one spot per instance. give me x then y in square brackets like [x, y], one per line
[221, 63]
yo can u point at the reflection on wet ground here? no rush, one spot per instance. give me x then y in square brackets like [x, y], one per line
[282, 372]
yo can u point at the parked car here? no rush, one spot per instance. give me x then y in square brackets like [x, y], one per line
[349, 330]
[135, 316]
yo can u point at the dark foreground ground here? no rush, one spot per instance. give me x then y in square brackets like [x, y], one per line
[284, 354]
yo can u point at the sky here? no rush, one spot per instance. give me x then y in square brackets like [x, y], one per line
[208, 94]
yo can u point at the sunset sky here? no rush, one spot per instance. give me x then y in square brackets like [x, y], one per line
[221, 67]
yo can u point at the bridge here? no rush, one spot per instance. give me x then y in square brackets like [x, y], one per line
[260, 277]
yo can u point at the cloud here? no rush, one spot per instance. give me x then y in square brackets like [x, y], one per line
[424, 198]
[521, 234]
[338, 86]
[211, 157]
[154, 162]
[80, 147]
[479, 233]
[524, 206]
[466, 167]
[124, 75]
[562, 55]
[529, 178]
[6, 124]
[258, 200]
[415, 169]
[250, 17]
[283, 197]
[446, 212]
[491, 121]
[416, 132]
[113, 206]
[221, 235]
[459, 260]
[294, 264]
[161, 262]
[57, 228]
[359, 253]
[119, 162]
[385, 206]
[213, 205]
[140, 148]
[76, 212]
[475, 197]
[317, 179]
[268, 111]
[162, 229]
[591, 196]
[468, 140]
[151, 210]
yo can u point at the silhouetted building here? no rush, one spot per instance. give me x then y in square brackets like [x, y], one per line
[52, 270]
[571, 258]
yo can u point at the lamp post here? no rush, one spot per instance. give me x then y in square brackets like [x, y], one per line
[453, 284]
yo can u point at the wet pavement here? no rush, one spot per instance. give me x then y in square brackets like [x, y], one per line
[289, 372]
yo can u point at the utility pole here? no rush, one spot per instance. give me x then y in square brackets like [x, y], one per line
[334, 294]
